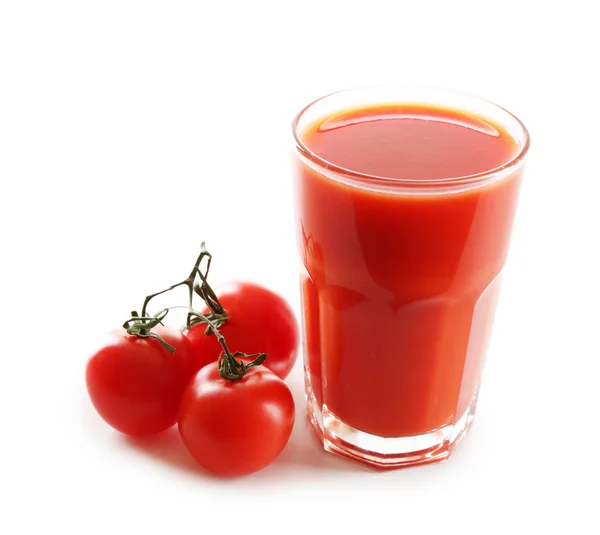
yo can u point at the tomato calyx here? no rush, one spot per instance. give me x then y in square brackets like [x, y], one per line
[142, 326]
[234, 370]
[229, 368]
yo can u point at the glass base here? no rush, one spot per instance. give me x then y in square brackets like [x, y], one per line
[344, 440]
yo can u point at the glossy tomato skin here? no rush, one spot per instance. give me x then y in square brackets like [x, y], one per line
[234, 428]
[135, 384]
[260, 321]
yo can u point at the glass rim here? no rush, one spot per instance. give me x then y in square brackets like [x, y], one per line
[475, 178]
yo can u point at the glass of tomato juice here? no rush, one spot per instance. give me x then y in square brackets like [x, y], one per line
[405, 200]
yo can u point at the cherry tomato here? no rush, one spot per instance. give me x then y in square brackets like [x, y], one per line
[234, 428]
[260, 321]
[136, 383]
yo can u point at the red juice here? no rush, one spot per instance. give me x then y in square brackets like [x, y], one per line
[404, 231]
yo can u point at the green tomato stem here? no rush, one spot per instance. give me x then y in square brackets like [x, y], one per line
[141, 325]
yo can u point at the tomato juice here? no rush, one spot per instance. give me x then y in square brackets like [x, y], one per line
[405, 213]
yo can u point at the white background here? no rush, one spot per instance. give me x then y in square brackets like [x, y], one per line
[131, 131]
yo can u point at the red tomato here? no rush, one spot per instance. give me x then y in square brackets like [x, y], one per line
[136, 383]
[234, 428]
[260, 321]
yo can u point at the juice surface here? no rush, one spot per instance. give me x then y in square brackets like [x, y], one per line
[399, 288]
[409, 142]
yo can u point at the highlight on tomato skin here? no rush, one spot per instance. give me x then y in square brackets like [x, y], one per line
[136, 384]
[235, 428]
[258, 321]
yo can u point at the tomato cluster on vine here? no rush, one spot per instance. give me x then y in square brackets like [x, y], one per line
[234, 412]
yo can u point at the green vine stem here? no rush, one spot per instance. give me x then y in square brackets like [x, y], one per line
[217, 315]
[141, 325]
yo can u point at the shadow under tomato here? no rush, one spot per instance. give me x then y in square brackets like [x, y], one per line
[168, 448]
